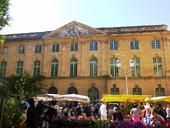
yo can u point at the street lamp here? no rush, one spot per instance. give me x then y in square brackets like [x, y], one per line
[131, 64]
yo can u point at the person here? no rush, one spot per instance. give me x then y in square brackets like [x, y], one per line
[79, 109]
[168, 112]
[156, 119]
[31, 115]
[146, 114]
[103, 111]
[135, 113]
[117, 114]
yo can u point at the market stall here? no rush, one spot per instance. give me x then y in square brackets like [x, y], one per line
[73, 97]
[158, 99]
[124, 98]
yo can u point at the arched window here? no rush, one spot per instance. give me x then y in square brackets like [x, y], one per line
[114, 90]
[52, 90]
[136, 67]
[114, 70]
[72, 90]
[54, 68]
[19, 70]
[73, 68]
[157, 66]
[93, 94]
[37, 65]
[93, 67]
[137, 90]
[159, 91]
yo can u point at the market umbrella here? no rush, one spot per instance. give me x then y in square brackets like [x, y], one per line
[46, 97]
[73, 97]
[124, 98]
[158, 99]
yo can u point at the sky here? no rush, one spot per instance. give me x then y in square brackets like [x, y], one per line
[48, 15]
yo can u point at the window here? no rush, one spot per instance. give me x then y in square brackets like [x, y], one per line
[54, 68]
[93, 94]
[114, 70]
[160, 91]
[136, 67]
[74, 47]
[114, 90]
[73, 68]
[38, 48]
[113, 45]
[37, 64]
[156, 44]
[55, 48]
[157, 66]
[52, 90]
[93, 46]
[93, 67]
[5, 50]
[134, 45]
[21, 50]
[137, 90]
[72, 90]
[19, 70]
[3, 69]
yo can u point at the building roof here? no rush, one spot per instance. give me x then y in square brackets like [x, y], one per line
[80, 26]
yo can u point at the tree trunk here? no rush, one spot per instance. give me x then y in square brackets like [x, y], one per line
[1, 111]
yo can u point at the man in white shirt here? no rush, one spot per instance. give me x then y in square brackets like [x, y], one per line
[103, 111]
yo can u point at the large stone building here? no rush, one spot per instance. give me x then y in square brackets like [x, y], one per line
[77, 58]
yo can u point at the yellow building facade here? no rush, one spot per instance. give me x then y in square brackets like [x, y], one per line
[77, 58]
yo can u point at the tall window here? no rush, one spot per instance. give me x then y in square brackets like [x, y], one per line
[55, 48]
[54, 68]
[3, 69]
[137, 90]
[134, 45]
[5, 50]
[74, 47]
[156, 44]
[114, 90]
[19, 70]
[93, 67]
[93, 46]
[73, 68]
[157, 66]
[113, 45]
[38, 48]
[114, 70]
[93, 94]
[136, 67]
[21, 50]
[37, 65]
[160, 91]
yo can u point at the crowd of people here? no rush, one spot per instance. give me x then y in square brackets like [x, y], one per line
[42, 114]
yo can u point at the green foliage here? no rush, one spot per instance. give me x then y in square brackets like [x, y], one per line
[13, 114]
[4, 16]
[16, 89]
[23, 87]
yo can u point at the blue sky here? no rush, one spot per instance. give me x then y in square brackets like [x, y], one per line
[47, 15]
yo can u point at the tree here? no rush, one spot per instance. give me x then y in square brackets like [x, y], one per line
[16, 89]
[4, 16]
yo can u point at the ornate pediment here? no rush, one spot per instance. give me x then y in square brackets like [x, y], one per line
[74, 29]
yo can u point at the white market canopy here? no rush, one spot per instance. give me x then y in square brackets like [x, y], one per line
[73, 97]
[58, 97]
